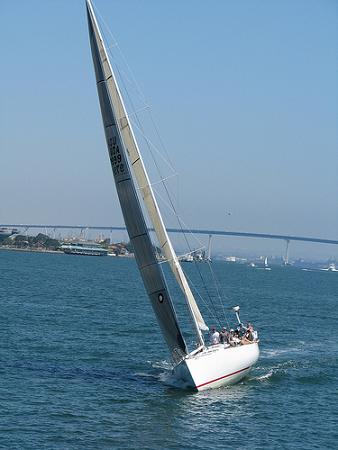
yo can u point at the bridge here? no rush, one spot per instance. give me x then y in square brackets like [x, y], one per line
[283, 237]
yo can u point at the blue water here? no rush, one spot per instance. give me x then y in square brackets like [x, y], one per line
[83, 365]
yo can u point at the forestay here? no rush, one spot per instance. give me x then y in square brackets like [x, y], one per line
[112, 114]
[145, 188]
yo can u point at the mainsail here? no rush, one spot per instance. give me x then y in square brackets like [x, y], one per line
[143, 182]
[112, 114]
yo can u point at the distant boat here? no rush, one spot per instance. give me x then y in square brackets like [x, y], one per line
[7, 232]
[205, 366]
[262, 265]
[266, 265]
[84, 248]
[232, 259]
[186, 258]
[331, 268]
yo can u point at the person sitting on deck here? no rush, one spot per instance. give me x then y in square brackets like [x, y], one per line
[234, 338]
[224, 336]
[241, 329]
[247, 338]
[214, 336]
[250, 335]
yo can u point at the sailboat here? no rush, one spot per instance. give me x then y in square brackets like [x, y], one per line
[205, 366]
[266, 265]
[261, 264]
[330, 268]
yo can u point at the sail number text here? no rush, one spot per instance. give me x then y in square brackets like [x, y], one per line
[115, 156]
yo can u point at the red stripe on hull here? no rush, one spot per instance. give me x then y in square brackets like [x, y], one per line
[221, 378]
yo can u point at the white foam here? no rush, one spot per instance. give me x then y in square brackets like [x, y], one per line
[265, 376]
[161, 365]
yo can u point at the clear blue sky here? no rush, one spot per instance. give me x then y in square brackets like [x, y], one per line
[244, 93]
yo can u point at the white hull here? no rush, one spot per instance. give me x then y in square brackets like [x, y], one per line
[217, 366]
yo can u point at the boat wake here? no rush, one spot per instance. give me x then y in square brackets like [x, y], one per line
[162, 372]
[265, 376]
[166, 376]
[161, 365]
[281, 351]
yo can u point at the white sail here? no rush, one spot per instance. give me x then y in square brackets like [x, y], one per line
[145, 188]
[145, 256]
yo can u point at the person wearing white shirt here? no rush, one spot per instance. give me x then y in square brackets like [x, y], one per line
[214, 336]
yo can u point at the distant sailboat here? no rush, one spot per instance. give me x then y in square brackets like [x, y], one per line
[266, 265]
[330, 268]
[262, 264]
[205, 366]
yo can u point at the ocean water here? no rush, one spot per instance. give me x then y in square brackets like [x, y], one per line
[83, 365]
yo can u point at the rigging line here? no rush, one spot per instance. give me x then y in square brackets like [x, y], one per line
[140, 128]
[185, 237]
[212, 313]
[186, 227]
[129, 116]
[204, 283]
[157, 182]
[147, 141]
[218, 289]
[123, 79]
[123, 83]
[138, 89]
[214, 277]
[142, 96]
[160, 138]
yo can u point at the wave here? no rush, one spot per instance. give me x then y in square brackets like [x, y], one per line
[166, 365]
[265, 376]
[271, 353]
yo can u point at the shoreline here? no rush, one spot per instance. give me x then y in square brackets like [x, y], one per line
[34, 250]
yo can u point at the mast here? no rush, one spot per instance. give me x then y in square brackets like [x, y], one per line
[209, 248]
[141, 176]
[149, 268]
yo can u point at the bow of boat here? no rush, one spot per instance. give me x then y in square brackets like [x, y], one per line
[216, 366]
